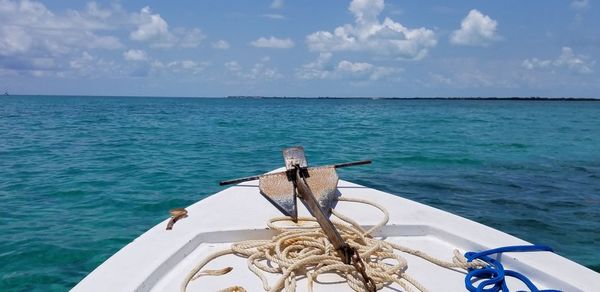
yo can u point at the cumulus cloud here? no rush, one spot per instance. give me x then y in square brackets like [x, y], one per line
[221, 45]
[363, 70]
[152, 28]
[273, 43]
[321, 68]
[180, 66]
[34, 39]
[189, 38]
[567, 60]
[476, 29]
[324, 68]
[277, 4]
[38, 41]
[29, 26]
[258, 72]
[135, 55]
[384, 39]
[83, 61]
[96, 11]
[261, 71]
[92, 66]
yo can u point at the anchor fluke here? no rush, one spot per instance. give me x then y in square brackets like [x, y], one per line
[280, 188]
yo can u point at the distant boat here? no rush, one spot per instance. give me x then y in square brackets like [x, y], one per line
[6, 93]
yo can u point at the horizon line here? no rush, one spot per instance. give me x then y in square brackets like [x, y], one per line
[331, 97]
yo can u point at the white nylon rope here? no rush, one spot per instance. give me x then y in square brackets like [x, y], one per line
[303, 249]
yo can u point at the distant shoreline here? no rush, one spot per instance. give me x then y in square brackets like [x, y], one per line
[425, 98]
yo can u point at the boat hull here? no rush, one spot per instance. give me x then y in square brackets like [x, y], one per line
[159, 260]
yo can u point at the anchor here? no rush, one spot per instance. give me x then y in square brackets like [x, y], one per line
[316, 187]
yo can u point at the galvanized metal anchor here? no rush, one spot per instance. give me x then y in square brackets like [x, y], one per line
[317, 189]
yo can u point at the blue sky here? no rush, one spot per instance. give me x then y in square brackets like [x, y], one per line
[301, 48]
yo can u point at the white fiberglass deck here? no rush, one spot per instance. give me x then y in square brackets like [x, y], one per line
[159, 260]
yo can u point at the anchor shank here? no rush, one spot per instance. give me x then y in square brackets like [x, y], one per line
[311, 203]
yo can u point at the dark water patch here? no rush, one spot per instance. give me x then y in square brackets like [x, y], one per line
[438, 186]
[504, 202]
[533, 224]
[518, 145]
[70, 193]
[439, 160]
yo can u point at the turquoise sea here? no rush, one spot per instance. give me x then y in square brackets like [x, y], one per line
[80, 177]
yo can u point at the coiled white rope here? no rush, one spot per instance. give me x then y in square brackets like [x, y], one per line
[303, 249]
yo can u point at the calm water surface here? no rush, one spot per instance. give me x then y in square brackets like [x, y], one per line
[80, 177]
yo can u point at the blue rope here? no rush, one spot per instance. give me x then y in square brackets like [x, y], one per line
[494, 272]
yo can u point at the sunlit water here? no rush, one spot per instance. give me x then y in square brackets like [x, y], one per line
[80, 177]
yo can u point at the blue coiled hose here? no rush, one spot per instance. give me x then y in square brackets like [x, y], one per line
[494, 273]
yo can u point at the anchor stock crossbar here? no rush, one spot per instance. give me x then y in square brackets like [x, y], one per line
[315, 186]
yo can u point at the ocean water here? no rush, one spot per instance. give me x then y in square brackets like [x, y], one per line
[80, 177]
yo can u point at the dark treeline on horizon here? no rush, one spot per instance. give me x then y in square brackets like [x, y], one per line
[425, 98]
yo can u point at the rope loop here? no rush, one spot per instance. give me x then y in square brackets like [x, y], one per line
[492, 277]
[303, 249]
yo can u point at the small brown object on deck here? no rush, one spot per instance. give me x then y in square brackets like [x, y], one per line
[176, 214]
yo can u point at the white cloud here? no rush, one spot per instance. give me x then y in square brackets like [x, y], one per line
[233, 66]
[323, 68]
[154, 29]
[258, 72]
[180, 66]
[273, 43]
[384, 39]
[476, 29]
[94, 10]
[466, 79]
[580, 4]
[189, 38]
[91, 66]
[580, 7]
[277, 4]
[135, 55]
[567, 60]
[261, 72]
[35, 40]
[150, 26]
[363, 71]
[82, 61]
[440, 79]
[383, 72]
[221, 45]
[474, 73]
[274, 16]
[366, 11]
[14, 40]
[347, 66]
[29, 26]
